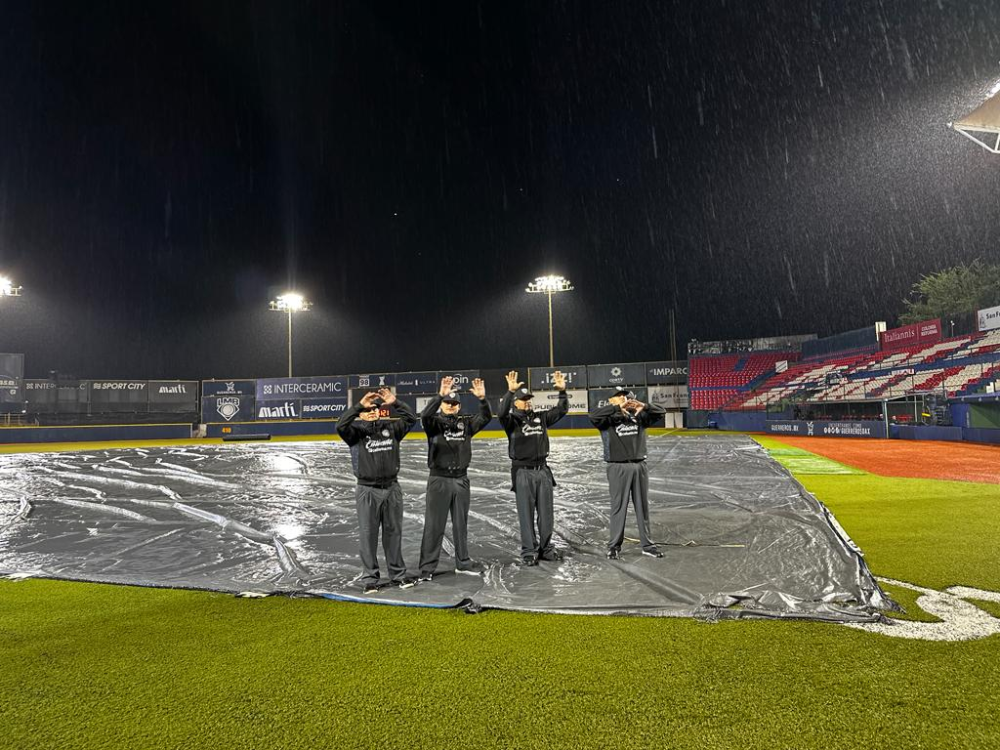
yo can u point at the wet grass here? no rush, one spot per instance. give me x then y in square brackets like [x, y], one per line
[91, 666]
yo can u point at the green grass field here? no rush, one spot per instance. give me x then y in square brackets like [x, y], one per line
[90, 666]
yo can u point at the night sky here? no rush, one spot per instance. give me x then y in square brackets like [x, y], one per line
[762, 167]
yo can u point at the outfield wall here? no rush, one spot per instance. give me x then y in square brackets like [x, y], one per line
[90, 433]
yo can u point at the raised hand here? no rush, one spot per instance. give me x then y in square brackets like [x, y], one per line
[446, 386]
[559, 380]
[368, 400]
[635, 405]
[388, 397]
[478, 388]
[512, 382]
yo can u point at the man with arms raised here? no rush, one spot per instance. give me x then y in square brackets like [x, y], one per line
[374, 446]
[449, 451]
[532, 481]
[623, 424]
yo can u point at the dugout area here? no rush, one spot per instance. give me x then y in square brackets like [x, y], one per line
[740, 536]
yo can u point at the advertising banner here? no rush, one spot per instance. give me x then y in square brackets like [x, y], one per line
[578, 402]
[541, 377]
[11, 375]
[667, 373]
[916, 334]
[323, 408]
[872, 429]
[228, 388]
[274, 389]
[373, 382]
[288, 409]
[174, 392]
[118, 395]
[670, 396]
[463, 378]
[988, 319]
[602, 376]
[417, 382]
[72, 397]
[598, 397]
[233, 408]
[40, 394]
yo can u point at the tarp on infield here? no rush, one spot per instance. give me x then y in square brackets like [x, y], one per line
[740, 536]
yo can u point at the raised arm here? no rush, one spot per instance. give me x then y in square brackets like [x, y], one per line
[651, 413]
[429, 416]
[407, 417]
[480, 420]
[561, 408]
[507, 402]
[603, 417]
[345, 425]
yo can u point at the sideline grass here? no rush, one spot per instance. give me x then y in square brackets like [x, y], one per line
[93, 666]
[88, 666]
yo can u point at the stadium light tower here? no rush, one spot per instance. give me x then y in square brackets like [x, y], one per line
[290, 303]
[550, 285]
[7, 288]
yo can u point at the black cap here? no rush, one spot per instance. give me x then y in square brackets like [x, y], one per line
[523, 394]
[451, 398]
[622, 391]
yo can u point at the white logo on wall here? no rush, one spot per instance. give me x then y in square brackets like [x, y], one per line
[231, 386]
[365, 381]
[268, 390]
[285, 411]
[179, 388]
[228, 407]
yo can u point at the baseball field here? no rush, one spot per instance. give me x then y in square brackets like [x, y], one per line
[100, 666]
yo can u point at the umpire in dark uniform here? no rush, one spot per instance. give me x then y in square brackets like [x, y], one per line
[531, 478]
[449, 452]
[374, 446]
[623, 424]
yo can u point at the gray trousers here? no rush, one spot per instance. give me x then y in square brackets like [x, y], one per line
[625, 480]
[533, 490]
[381, 509]
[445, 495]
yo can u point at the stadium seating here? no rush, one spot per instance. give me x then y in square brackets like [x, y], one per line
[952, 367]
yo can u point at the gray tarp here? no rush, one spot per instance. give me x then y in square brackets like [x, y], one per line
[740, 536]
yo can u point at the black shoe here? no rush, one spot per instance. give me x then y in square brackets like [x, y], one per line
[652, 552]
[370, 588]
[552, 555]
[530, 561]
[406, 583]
[614, 554]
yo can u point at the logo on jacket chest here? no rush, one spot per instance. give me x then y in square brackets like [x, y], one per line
[532, 427]
[455, 433]
[627, 429]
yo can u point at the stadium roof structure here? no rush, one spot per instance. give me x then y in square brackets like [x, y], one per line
[982, 125]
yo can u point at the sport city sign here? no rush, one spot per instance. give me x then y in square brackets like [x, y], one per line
[873, 429]
[273, 389]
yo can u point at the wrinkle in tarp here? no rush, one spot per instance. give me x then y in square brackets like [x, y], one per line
[740, 537]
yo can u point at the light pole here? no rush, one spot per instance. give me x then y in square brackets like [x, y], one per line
[7, 288]
[290, 302]
[550, 285]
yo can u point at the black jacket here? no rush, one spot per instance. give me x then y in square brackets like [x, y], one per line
[624, 435]
[375, 445]
[528, 431]
[449, 438]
